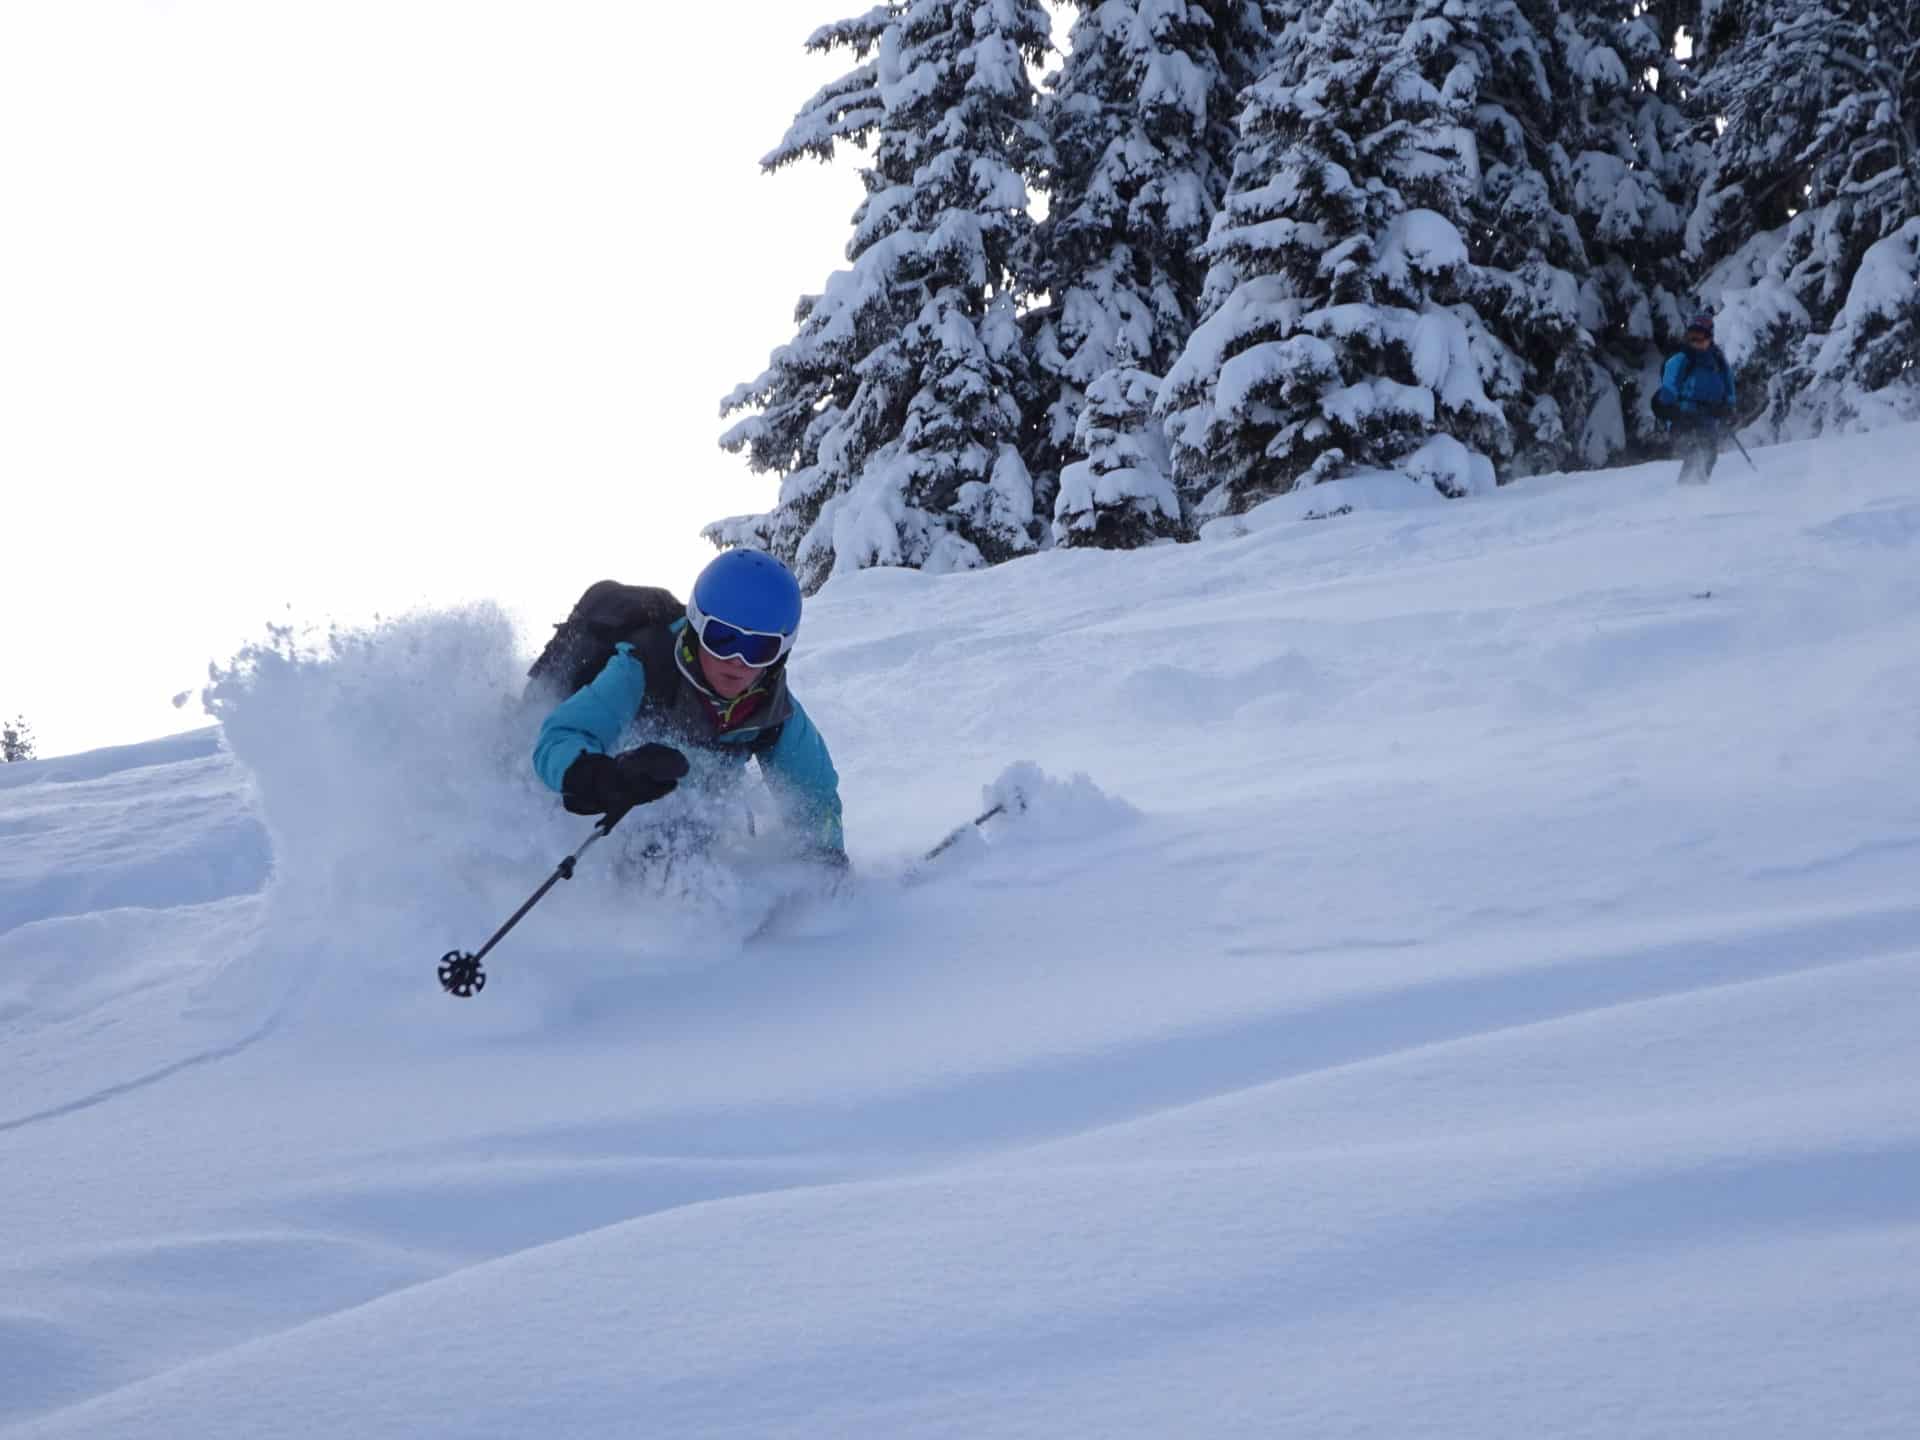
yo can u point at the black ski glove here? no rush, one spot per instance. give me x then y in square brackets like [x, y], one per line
[611, 785]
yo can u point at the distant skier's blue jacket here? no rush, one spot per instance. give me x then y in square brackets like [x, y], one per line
[1697, 384]
[797, 767]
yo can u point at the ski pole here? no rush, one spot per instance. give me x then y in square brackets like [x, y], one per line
[1731, 435]
[461, 973]
[959, 831]
[1016, 805]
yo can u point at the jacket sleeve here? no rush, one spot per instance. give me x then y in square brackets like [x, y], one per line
[800, 773]
[1670, 379]
[592, 718]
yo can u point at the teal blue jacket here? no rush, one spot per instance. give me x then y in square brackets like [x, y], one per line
[797, 768]
[1698, 384]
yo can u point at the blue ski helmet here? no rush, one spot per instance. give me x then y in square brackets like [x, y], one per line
[745, 606]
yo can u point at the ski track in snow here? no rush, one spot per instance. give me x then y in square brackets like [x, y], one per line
[127, 1087]
[1457, 978]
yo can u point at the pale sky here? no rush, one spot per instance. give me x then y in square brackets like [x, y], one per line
[313, 311]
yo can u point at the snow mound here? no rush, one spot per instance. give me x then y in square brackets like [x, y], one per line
[1366, 490]
[1055, 809]
[67, 846]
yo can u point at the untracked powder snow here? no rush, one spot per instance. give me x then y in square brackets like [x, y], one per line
[1439, 968]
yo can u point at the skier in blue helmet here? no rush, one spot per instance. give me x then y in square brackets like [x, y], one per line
[713, 680]
[1696, 399]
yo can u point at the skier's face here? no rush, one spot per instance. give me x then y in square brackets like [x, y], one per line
[1699, 339]
[728, 679]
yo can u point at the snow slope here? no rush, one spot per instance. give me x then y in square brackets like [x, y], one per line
[1470, 990]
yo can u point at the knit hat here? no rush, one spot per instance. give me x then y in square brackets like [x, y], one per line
[1703, 322]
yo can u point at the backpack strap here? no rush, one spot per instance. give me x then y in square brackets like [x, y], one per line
[653, 648]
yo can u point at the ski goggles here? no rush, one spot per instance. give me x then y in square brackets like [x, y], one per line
[758, 648]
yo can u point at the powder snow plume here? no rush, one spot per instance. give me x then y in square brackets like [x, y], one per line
[391, 767]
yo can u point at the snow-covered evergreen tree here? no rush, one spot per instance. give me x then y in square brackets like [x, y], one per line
[1122, 494]
[1141, 119]
[1866, 368]
[893, 415]
[1817, 170]
[1499, 61]
[1339, 333]
[1635, 162]
[16, 740]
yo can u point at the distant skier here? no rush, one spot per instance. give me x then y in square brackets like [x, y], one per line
[1696, 399]
[714, 680]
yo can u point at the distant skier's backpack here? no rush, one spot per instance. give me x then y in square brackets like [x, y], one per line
[603, 617]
